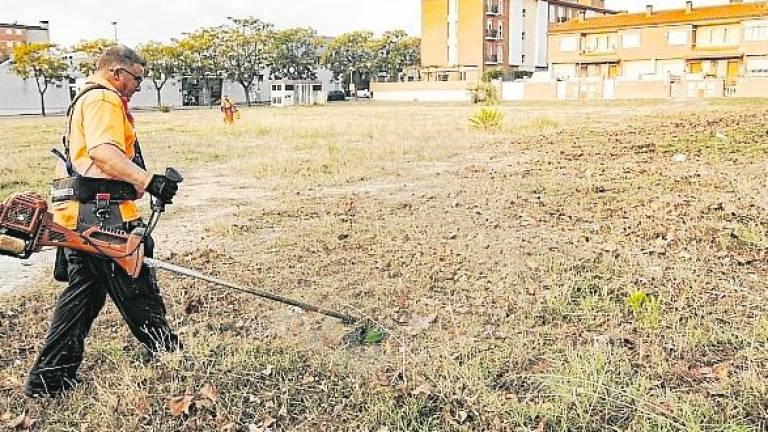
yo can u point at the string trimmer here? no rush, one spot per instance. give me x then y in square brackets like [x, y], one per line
[26, 227]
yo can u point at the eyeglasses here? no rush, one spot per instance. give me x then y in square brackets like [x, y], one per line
[138, 78]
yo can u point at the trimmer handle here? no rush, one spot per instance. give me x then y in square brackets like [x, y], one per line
[174, 176]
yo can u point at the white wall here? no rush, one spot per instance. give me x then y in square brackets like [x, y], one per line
[18, 96]
[516, 32]
[541, 34]
[513, 90]
[423, 96]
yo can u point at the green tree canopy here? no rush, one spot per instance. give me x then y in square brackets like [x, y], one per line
[163, 63]
[296, 54]
[92, 49]
[41, 62]
[349, 56]
[245, 51]
[394, 52]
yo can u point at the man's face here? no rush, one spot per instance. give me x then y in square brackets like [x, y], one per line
[127, 80]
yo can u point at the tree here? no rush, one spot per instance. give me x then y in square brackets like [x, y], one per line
[296, 54]
[244, 50]
[394, 52]
[349, 56]
[197, 56]
[92, 50]
[43, 62]
[163, 63]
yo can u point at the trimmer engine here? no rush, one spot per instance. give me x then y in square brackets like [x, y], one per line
[26, 227]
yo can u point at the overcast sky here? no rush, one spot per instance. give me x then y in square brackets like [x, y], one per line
[141, 20]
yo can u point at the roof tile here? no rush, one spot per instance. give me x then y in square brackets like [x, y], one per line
[665, 17]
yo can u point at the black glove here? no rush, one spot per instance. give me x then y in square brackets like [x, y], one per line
[163, 188]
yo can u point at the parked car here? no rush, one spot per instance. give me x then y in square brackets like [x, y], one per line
[336, 95]
[364, 93]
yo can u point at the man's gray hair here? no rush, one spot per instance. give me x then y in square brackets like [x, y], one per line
[121, 55]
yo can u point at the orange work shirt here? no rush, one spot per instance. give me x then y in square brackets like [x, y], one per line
[98, 118]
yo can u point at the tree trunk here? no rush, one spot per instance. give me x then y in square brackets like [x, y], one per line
[246, 89]
[42, 103]
[42, 91]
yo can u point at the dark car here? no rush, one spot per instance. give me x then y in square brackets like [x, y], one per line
[336, 95]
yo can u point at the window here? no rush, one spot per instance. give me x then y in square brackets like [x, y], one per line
[524, 12]
[523, 35]
[569, 44]
[317, 87]
[757, 31]
[289, 87]
[677, 37]
[523, 59]
[757, 66]
[630, 40]
[717, 36]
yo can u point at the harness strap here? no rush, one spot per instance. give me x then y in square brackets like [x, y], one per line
[86, 189]
[66, 157]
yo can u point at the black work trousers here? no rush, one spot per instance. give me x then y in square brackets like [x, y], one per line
[91, 279]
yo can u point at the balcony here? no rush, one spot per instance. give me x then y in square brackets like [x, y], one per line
[493, 8]
[494, 34]
[492, 59]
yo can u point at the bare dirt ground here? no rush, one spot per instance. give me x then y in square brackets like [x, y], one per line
[597, 267]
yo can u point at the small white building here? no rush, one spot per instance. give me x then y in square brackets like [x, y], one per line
[290, 93]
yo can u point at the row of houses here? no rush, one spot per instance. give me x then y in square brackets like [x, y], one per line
[558, 45]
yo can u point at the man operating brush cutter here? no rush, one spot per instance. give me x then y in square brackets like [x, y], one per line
[101, 174]
[106, 247]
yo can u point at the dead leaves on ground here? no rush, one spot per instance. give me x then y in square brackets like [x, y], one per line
[21, 422]
[206, 398]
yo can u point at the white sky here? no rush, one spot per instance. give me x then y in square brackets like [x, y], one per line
[141, 20]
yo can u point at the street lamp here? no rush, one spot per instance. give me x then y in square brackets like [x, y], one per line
[114, 24]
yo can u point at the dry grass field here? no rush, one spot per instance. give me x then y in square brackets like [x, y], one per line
[587, 267]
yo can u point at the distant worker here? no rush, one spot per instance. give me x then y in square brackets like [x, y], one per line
[228, 108]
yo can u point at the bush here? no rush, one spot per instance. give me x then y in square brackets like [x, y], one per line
[483, 92]
[487, 119]
[164, 108]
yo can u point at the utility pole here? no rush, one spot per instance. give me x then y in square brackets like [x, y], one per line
[114, 24]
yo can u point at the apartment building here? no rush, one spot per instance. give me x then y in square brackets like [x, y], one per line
[727, 42]
[463, 38]
[13, 35]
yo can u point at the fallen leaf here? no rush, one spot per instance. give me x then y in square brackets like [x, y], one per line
[180, 405]
[542, 426]
[21, 422]
[267, 371]
[283, 411]
[420, 323]
[228, 427]
[308, 379]
[6, 417]
[461, 417]
[721, 371]
[141, 406]
[425, 389]
[402, 316]
[210, 392]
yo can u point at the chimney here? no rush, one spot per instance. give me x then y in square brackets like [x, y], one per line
[648, 10]
[689, 6]
[44, 24]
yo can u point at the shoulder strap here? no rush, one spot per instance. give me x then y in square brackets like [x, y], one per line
[65, 139]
